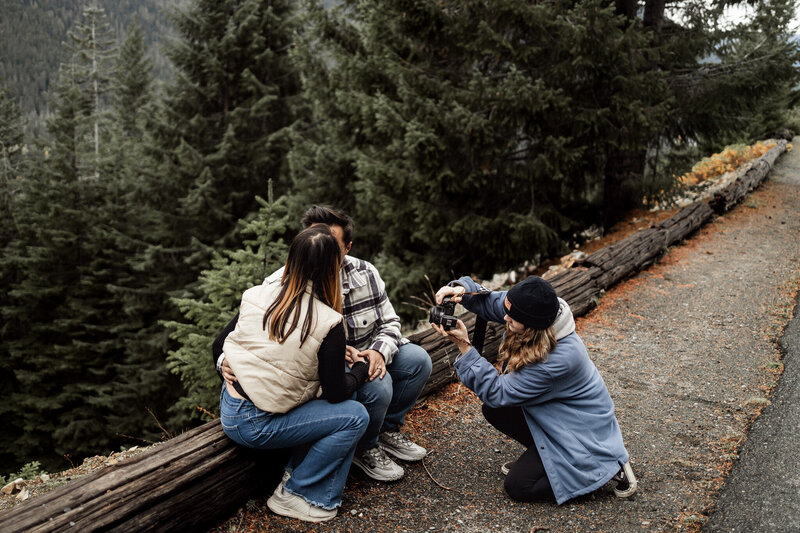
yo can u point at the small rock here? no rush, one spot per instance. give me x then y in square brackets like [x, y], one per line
[45, 478]
[353, 512]
[8, 488]
[22, 496]
[111, 462]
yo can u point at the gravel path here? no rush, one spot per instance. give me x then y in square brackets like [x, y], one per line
[688, 351]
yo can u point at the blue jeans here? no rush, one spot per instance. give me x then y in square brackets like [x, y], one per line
[322, 435]
[389, 399]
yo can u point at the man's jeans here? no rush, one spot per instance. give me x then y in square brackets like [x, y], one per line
[323, 437]
[389, 399]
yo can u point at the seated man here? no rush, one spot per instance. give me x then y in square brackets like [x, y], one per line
[397, 369]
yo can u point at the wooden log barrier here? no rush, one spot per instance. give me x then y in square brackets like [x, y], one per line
[192, 481]
[185, 484]
[731, 195]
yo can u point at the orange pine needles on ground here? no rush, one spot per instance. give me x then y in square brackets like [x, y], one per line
[726, 161]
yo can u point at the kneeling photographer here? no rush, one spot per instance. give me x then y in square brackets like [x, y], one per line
[549, 396]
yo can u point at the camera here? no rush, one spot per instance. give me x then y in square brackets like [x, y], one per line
[442, 315]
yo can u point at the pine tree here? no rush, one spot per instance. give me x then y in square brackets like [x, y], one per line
[92, 44]
[142, 389]
[221, 286]
[62, 351]
[226, 117]
[221, 130]
[11, 177]
[468, 136]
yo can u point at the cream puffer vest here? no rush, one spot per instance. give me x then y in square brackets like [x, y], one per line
[277, 377]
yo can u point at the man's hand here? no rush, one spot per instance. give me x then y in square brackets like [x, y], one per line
[456, 292]
[227, 372]
[377, 365]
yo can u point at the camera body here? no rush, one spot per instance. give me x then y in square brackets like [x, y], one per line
[442, 315]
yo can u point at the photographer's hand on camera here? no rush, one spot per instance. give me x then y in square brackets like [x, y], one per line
[455, 292]
[458, 336]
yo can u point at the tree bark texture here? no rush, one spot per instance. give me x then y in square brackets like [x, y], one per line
[185, 484]
[192, 481]
[731, 195]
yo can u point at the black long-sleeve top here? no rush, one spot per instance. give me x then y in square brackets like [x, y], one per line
[337, 385]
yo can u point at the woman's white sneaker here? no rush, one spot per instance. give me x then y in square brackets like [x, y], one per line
[397, 444]
[626, 482]
[285, 503]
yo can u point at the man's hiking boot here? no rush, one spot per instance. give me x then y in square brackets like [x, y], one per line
[626, 482]
[377, 465]
[402, 447]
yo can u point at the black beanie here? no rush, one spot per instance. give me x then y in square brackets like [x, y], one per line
[533, 303]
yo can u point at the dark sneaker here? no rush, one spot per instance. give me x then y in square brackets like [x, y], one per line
[401, 446]
[506, 467]
[285, 503]
[377, 465]
[626, 482]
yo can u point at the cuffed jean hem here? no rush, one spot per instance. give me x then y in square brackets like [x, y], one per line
[327, 507]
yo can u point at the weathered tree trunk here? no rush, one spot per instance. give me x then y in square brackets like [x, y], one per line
[731, 195]
[194, 480]
[184, 484]
[654, 14]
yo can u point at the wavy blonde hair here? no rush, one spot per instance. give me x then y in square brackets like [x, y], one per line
[526, 348]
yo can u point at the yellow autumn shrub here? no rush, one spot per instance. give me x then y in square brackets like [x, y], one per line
[727, 160]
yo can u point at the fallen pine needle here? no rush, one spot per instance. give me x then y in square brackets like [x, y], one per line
[431, 475]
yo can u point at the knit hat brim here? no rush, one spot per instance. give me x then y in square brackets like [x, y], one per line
[533, 302]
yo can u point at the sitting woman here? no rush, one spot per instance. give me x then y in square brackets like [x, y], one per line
[288, 353]
[549, 396]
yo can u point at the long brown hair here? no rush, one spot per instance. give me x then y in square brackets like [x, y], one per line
[526, 348]
[315, 257]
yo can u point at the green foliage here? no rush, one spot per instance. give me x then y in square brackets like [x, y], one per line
[221, 288]
[31, 37]
[219, 133]
[28, 471]
[467, 137]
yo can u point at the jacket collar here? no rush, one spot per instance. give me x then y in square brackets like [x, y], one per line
[350, 276]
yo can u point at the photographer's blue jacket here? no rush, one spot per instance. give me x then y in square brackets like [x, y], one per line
[566, 403]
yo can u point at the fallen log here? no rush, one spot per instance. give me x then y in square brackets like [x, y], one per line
[192, 481]
[184, 484]
[731, 195]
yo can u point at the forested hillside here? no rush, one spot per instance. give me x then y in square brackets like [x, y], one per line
[463, 136]
[32, 33]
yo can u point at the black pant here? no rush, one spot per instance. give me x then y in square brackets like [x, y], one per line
[526, 480]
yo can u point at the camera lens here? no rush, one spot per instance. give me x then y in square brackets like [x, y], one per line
[436, 315]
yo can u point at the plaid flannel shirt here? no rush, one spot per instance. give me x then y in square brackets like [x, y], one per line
[371, 321]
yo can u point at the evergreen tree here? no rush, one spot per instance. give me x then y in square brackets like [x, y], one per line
[467, 137]
[92, 45]
[142, 389]
[62, 350]
[11, 144]
[219, 133]
[221, 286]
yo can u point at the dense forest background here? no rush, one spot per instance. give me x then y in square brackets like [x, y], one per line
[155, 163]
[32, 33]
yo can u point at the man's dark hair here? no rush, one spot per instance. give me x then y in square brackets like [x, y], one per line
[319, 214]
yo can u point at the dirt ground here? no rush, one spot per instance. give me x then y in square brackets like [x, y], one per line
[687, 349]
